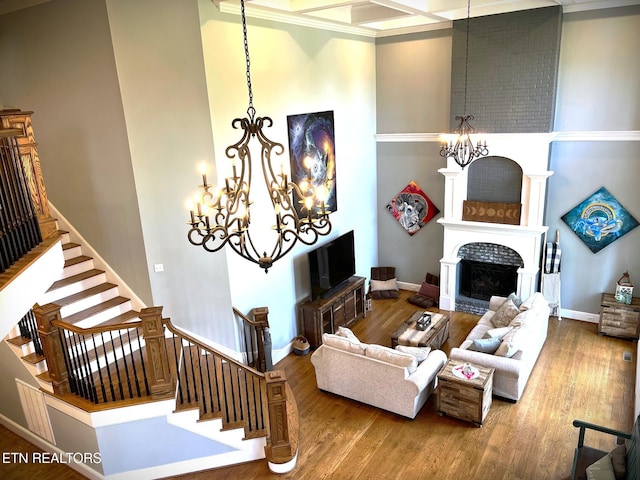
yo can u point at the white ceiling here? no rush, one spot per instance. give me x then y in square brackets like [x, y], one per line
[376, 18]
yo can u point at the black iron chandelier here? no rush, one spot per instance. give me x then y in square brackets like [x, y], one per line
[222, 215]
[463, 151]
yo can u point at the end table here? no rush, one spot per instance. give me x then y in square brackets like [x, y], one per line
[465, 398]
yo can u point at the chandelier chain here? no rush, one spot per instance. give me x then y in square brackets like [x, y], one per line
[466, 58]
[251, 110]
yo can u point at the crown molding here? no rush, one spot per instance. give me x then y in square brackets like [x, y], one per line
[578, 136]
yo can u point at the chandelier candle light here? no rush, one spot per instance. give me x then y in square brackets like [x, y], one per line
[462, 150]
[222, 215]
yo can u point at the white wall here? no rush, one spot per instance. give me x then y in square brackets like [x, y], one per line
[294, 70]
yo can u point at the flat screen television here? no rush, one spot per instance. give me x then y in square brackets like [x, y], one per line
[331, 265]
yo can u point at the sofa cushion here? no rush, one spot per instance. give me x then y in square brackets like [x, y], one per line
[601, 470]
[420, 353]
[505, 314]
[498, 332]
[535, 301]
[347, 333]
[523, 318]
[421, 301]
[343, 343]
[511, 342]
[394, 357]
[485, 345]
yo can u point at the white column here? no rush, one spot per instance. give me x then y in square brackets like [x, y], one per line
[448, 283]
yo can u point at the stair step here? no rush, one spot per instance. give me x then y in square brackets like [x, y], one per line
[122, 318]
[33, 358]
[75, 265]
[86, 298]
[74, 284]
[100, 313]
[19, 341]
[71, 250]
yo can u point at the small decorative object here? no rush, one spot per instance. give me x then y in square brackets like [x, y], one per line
[300, 345]
[599, 220]
[412, 208]
[423, 322]
[624, 289]
[466, 369]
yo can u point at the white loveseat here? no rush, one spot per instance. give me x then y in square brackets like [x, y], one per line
[376, 375]
[524, 335]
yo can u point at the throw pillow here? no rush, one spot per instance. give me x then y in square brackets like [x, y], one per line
[505, 314]
[420, 353]
[497, 332]
[517, 301]
[343, 343]
[347, 333]
[601, 470]
[523, 318]
[619, 462]
[394, 357]
[430, 291]
[511, 343]
[485, 345]
[378, 285]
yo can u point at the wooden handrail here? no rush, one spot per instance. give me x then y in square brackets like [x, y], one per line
[215, 383]
[257, 338]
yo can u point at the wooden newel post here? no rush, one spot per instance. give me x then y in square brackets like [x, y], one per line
[261, 317]
[279, 448]
[52, 346]
[160, 378]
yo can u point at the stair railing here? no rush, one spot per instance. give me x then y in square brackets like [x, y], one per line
[256, 338]
[153, 358]
[19, 229]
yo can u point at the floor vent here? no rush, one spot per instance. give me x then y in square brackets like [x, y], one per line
[35, 411]
[627, 356]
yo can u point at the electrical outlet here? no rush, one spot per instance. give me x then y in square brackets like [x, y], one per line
[158, 267]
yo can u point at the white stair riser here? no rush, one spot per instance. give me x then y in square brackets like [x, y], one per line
[36, 369]
[22, 350]
[72, 252]
[105, 315]
[88, 302]
[77, 287]
[77, 268]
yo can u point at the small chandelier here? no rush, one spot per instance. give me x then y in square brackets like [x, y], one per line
[222, 215]
[463, 150]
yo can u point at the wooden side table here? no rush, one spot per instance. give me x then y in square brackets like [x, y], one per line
[458, 397]
[619, 319]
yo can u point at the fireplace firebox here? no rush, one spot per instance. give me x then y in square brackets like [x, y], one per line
[481, 280]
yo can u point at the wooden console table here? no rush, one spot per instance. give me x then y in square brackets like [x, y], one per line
[327, 314]
[619, 319]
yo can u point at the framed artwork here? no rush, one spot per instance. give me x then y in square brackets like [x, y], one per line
[412, 208]
[312, 154]
[599, 220]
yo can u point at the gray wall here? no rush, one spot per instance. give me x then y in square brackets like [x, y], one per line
[597, 90]
[57, 60]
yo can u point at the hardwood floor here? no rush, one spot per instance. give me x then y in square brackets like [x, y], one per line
[579, 374]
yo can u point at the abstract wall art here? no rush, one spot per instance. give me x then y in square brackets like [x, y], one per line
[599, 220]
[412, 208]
[312, 154]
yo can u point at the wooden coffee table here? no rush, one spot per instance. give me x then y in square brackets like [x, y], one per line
[465, 398]
[434, 336]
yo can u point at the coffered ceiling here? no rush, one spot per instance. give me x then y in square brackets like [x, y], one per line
[377, 18]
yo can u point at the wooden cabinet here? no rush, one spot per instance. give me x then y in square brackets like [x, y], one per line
[619, 319]
[340, 309]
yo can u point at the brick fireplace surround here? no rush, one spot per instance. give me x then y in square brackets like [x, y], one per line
[531, 153]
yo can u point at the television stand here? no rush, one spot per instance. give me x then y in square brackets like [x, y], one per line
[343, 306]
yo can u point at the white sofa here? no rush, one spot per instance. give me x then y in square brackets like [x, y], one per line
[526, 334]
[376, 375]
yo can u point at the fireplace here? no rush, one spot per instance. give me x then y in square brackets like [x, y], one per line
[524, 240]
[482, 280]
